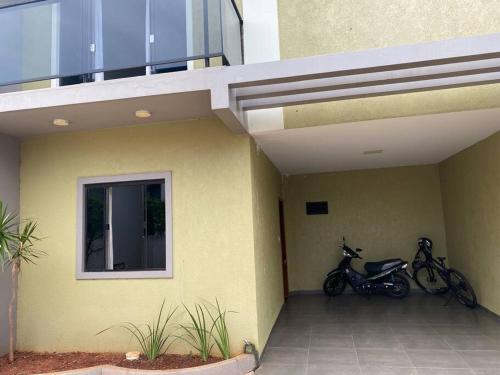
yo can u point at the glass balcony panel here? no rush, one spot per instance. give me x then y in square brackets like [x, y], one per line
[169, 34]
[231, 34]
[77, 40]
[26, 42]
[123, 37]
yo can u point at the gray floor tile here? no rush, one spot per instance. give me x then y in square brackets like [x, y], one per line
[371, 328]
[329, 369]
[319, 333]
[413, 329]
[289, 340]
[374, 341]
[450, 329]
[331, 340]
[285, 356]
[476, 342]
[481, 358]
[383, 357]
[444, 371]
[387, 370]
[423, 342]
[334, 328]
[436, 358]
[487, 371]
[346, 357]
[273, 369]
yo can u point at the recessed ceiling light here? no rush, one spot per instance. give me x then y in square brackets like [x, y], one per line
[60, 122]
[142, 113]
[372, 152]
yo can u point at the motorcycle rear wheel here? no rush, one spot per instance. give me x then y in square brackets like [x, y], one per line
[401, 287]
[334, 285]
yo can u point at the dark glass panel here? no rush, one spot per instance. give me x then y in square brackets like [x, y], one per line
[95, 229]
[128, 227]
[155, 204]
[124, 36]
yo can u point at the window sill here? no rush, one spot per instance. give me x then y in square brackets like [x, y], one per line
[120, 275]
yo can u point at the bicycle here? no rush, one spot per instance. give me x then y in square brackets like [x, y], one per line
[432, 275]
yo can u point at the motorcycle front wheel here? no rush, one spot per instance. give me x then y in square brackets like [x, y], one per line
[401, 287]
[334, 284]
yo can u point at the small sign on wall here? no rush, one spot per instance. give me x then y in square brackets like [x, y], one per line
[317, 208]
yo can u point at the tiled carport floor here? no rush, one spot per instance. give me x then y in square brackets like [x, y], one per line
[350, 334]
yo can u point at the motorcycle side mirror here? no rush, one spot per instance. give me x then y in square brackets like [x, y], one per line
[359, 250]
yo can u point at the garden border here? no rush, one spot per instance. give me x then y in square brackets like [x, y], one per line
[240, 365]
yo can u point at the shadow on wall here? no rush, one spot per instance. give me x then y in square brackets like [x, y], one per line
[383, 211]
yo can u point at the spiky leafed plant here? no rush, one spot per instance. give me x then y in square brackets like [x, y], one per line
[153, 339]
[197, 334]
[219, 330]
[17, 245]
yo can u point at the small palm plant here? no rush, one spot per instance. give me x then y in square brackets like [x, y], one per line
[154, 338]
[17, 245]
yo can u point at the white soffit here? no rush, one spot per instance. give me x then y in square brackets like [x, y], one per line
[405, 141]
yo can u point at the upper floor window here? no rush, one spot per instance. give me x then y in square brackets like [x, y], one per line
[125, 227]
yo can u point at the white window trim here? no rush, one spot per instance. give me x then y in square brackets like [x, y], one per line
[80, 230]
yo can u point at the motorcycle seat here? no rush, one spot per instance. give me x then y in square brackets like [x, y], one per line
[377, 267]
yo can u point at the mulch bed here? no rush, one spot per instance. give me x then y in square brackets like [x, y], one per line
[28, 363]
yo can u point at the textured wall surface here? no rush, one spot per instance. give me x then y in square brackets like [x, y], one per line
[9, 194]
[470, 184]
[317, 27]
[266, 188]
[212, 233]
[383, 211]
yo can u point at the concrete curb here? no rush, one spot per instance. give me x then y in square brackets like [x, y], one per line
[240, 365]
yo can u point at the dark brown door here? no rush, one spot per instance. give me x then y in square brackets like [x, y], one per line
[283, 249]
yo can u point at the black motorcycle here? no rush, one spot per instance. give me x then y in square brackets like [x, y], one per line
[381, 277]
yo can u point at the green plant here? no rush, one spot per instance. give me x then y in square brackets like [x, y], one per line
[17, 245]
[154, 337]
[196, 333]
[219, 325]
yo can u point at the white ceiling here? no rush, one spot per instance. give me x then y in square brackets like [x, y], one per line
[106, 114]
[406, 141]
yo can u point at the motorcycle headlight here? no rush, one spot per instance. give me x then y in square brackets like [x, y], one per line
[346, 254]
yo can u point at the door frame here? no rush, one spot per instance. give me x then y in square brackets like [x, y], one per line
[284, 256]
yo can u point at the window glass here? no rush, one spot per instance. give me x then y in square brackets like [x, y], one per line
[125, 226]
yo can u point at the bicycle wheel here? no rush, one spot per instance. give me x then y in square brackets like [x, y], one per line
[430, 280]
[462, 289]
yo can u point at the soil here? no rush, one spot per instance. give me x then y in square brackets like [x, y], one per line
[28, 363]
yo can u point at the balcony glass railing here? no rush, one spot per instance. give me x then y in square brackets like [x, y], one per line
[83, 40]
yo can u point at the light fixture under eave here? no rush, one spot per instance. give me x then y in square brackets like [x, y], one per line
[372, 152]
[60, 122]
[142, 113]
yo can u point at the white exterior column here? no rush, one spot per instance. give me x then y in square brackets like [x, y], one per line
[262, 44]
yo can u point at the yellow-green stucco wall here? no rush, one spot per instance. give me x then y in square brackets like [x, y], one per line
[318, 27]
[382, 211]
[470, 184]
[213, 238]
[266, 187]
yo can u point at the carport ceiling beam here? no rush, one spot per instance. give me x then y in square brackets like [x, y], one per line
[386, 71]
